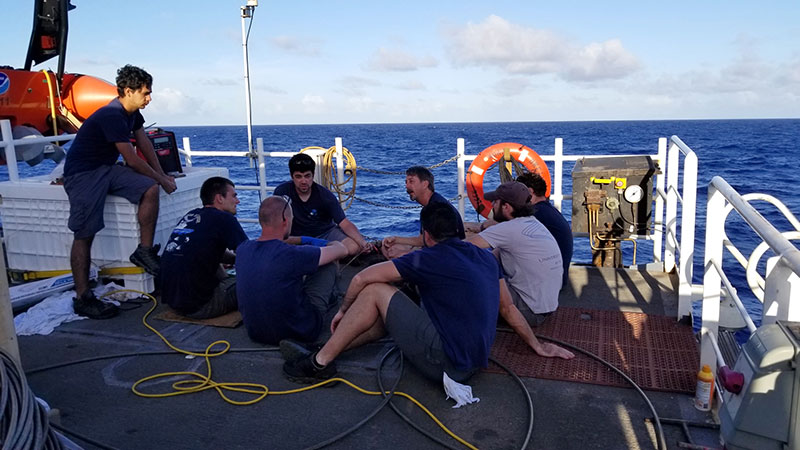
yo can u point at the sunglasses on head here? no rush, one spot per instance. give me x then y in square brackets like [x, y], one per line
[288, 201]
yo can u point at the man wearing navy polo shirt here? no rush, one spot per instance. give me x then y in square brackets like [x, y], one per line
[91, 173]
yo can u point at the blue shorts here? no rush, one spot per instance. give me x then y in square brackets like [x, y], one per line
[87, 195]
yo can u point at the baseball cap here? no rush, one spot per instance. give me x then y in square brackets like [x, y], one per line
[512, 192]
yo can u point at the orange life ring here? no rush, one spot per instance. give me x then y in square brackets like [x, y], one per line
[481, 164]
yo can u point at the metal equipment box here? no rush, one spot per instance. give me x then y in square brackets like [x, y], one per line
[764, 415]
[612, 196]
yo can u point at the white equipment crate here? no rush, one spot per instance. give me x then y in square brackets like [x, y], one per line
[34, 216]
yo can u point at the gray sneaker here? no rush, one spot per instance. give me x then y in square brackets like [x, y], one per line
[147, 258]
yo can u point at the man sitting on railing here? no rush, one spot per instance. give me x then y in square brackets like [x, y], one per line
[284, 290]
[419, 186]
[193, 282]
[317, 213]
[528, 253]
[90, 173]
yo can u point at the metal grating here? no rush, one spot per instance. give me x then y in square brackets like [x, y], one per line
[657, 352]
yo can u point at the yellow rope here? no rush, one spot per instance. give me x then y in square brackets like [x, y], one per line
[52, 102]
[204, 382]
[330, 176]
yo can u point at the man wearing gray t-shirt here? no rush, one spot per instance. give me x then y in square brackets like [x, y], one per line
[528, 253]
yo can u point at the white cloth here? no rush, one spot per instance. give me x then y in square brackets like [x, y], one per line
[461, 393]
[51, 312]
[531, 260]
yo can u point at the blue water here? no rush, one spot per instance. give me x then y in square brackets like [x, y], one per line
[752, 155]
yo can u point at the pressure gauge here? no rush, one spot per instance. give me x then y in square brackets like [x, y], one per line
[634, 193]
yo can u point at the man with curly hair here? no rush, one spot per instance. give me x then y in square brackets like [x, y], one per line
[91, 173]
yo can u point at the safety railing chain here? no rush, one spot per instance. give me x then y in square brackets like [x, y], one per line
[389, 172]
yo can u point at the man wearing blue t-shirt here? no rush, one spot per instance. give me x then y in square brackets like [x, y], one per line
[451, 333]
[317, 212]
[90, 173]
[419, 186]
[283, 290]
[192, 279]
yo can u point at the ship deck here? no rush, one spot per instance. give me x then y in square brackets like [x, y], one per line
[95, 398]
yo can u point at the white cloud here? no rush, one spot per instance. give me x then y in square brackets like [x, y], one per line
[517, 49]
[509, 87]
[313, 103]
[356, 86]
[412, 85]
[291, 44]
[174, 102]
[219, 82]
[394, 60]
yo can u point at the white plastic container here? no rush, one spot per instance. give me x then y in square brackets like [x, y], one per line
[34, 216]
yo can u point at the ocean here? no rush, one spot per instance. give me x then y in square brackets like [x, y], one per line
[752, 156]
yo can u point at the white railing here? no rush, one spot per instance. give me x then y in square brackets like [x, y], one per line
[667, 190]
[8, 143]
[781, 291]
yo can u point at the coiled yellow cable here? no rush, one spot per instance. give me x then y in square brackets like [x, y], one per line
[204, 382]
[330, 176]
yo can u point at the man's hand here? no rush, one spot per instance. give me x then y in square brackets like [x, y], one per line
[168, 183]
[388, 242]
[336, 319]
[549, 350]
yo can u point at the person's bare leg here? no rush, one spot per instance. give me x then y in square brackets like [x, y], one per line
[148, 215]
[366, 313]
[79, 260]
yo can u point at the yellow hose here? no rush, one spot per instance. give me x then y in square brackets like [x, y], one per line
[204, 382]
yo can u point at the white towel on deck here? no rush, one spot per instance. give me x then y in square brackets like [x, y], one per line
[461, 393]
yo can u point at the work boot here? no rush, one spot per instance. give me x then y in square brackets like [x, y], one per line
[90, 306]
[147, 258]
[305, 370]
[292, 350]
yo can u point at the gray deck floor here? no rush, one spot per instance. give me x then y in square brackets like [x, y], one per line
[95, 398]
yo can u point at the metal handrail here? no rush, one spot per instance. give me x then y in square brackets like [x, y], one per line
[721, 196]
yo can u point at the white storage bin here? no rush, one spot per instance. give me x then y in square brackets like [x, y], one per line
[34, 217]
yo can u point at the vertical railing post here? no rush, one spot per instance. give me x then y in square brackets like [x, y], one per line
[187, 148]
[11, 152]
[688, 214]
[461, 176]
[712, 282]
[671, 218]
[558, 167]
[781, 287]
[262, 169]
[658, 232]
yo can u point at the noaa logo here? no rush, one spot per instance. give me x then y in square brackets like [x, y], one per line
[5, 83]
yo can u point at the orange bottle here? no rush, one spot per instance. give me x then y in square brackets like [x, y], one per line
[704, 394]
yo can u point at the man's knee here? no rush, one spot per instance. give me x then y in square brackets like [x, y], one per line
[150, 196]
[380, 294]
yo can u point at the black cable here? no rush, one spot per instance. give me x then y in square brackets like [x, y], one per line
[386, 399]
[662, 442]
[82, 437]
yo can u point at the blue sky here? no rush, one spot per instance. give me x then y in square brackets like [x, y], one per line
[439, 61]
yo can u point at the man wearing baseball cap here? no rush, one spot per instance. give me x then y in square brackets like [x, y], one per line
[528, 253]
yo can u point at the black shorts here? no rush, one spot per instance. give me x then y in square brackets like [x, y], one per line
[411, 328]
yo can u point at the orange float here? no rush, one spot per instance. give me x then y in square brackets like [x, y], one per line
[486, 159]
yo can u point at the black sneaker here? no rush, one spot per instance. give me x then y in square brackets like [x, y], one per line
[292, 350]
[88, 305]
[147, 258]
[304, 370]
